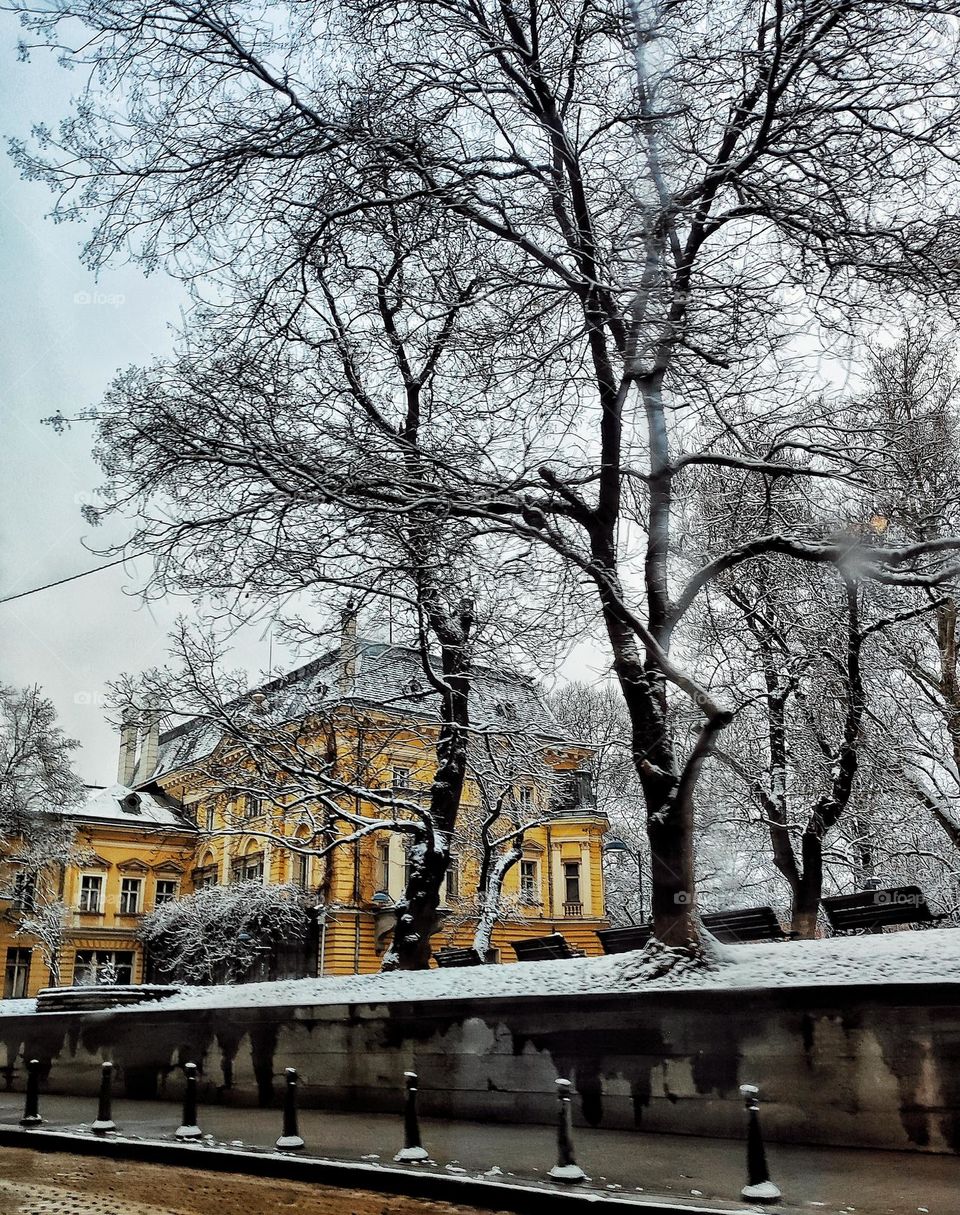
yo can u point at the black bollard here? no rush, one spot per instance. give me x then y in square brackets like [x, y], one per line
[188, 1128]
[290, 1140]
[566, 1168]
[31, 1107]
[412, 1148]
[104, 1123]
[759, 1187]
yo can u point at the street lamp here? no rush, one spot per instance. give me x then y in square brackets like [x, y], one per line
[618, 847]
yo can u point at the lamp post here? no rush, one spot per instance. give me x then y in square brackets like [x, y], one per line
[618, 847]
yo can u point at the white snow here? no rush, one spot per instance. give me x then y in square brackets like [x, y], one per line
[931, 956]
[106, 804]
[763, 1191]
[568, 1172]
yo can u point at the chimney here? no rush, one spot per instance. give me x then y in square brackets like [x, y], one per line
[128, 748]
[348, 646]
[149, 746]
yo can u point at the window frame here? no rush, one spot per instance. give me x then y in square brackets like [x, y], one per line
[567, 879]
[100, 881]
[16, 973]
[248, 868]
[126, 883]
[159, 901]
[24, 891]
[93, 959]
[382, 862]
[453, 877]
[530, 890]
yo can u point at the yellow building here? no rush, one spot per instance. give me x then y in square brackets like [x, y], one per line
[364, 712]
[135, 849]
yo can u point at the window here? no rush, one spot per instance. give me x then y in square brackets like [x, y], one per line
[525, 797]
[207, 876]
[91, 892]
[166, 891]
[303, 870]
[251, 806]
[453, 877]
[130, 889]
[247, 868]
[25, 891]
[382, 876]
[92, 966]
[529, 882]
[571, 881]
[401, 778]
[17, 974]
[209, 817]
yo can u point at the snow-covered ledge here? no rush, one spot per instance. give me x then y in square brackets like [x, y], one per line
[852, 1041]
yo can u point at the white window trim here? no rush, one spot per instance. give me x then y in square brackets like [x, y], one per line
[102, 889]
[139, 896]
[174, 881]
[535, 898]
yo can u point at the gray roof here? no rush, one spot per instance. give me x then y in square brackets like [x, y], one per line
[388, 678]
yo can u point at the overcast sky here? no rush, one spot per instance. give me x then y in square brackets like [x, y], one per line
[63, 336]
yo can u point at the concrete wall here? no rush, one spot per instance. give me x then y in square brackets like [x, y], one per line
[868, 1066]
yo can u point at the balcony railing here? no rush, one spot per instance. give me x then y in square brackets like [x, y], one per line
[572, 910]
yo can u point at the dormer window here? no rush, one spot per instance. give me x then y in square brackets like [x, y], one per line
[131, 804]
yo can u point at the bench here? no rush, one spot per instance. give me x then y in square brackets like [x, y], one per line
[463, 957]
[544, 949]
[750, 924]
[623, 940]
[873, 910]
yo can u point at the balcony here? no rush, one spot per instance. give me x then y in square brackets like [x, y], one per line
[572, 911]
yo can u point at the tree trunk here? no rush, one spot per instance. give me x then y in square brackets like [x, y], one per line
[490, 892]
[417, 918]
[669, 816]
[806, 896]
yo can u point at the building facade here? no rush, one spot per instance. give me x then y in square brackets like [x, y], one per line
[194, 808]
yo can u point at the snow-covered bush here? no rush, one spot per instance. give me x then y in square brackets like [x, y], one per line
[220, 933]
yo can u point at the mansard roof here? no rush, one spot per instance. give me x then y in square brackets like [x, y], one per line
[388, 678]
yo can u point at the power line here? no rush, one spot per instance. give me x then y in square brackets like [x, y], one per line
[73, 577]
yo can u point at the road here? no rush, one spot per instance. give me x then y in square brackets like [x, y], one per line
[34, 1183]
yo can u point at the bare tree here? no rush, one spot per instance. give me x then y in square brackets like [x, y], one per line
[47, 924]
[650, 196]
[37, 783]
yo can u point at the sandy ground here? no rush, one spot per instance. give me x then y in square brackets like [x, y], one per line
[34, 1183]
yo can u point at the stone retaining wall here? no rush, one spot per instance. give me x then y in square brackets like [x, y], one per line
[875, 1066]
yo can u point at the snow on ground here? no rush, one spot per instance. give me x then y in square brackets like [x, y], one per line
[901, 957]
[896, 957]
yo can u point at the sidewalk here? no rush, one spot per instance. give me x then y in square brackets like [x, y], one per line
[828, 1181]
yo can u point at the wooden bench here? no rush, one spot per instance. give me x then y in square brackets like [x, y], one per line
[623, 940]
[463, 957]
[873, 910]
[750, 924]
[544, 949]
